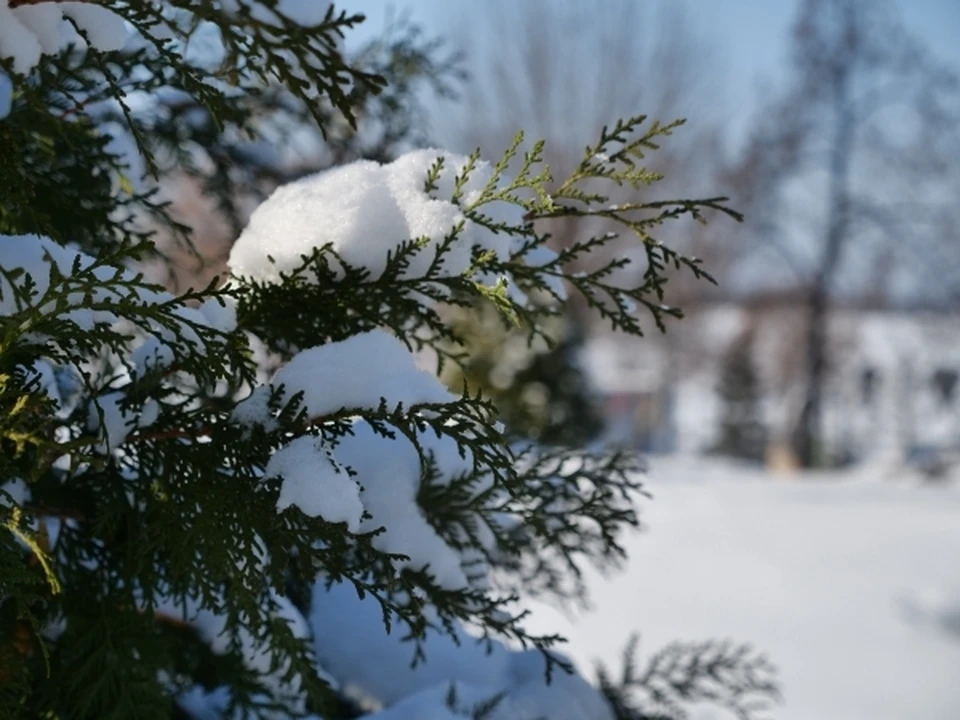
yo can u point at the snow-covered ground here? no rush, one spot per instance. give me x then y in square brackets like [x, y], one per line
[850, 583]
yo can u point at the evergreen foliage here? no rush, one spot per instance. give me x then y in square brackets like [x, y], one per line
[743, 433]
[160, 535]
[276, 139]
[542, 390]
[681, 675]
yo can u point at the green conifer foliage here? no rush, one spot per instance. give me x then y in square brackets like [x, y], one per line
[541, 389]
[733, 677]
[159, 534]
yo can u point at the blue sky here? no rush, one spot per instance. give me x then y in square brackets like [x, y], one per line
[751, 36]
[753, 31]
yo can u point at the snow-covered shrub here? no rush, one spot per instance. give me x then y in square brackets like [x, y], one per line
[218, 503]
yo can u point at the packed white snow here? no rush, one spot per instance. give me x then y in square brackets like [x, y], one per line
[848, 582]
[523, 692]
[36, 256]
[356, 373]
[364, 211]
[212, 629]
[16, 490]
[389, 471]
[356, 654]
[31, 30]
[151, 354]
[29, 261]
[348, 632]
[315, 482]
[220, 313]
[112, 423]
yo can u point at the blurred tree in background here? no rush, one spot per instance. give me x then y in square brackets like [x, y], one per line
[850, 173]
[743, 433]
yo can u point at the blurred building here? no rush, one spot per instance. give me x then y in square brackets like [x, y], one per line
[893, 390]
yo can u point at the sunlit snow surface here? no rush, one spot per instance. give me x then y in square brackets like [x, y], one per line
[850, 583]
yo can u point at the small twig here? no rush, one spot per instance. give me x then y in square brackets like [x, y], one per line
[169, 620]
[70, 111]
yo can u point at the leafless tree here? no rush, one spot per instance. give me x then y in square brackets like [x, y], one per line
[852, 170]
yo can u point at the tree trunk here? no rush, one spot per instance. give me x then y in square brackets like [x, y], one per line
[809, 431]
[809, 438]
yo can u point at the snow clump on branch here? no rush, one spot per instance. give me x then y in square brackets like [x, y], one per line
[364, 211]
[29, 31]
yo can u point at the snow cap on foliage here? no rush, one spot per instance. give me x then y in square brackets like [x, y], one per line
[33, 254]
[348, 631]
[220, 313]
[569, 697]
[364, 211]
[112, 423]
[151, 354]
[104, 29]
[356, 373]
[315, 482]
[16, 490]
[389, 471]
[31, 30]
[212, 628]
[36, 256]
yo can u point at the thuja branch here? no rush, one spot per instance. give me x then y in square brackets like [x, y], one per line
[671, 208]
